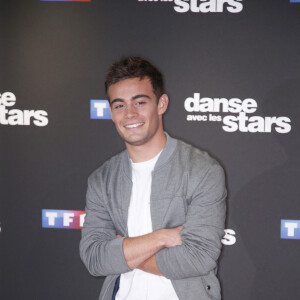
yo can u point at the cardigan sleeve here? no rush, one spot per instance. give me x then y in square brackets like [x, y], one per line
[100, 250]
[202, 231]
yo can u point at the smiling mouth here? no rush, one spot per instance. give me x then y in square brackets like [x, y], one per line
[133, 125]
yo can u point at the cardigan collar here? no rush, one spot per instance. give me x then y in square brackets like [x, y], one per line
[163, 158]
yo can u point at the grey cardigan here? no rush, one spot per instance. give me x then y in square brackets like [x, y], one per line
[188, 188]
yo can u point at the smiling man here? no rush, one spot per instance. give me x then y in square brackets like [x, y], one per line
[155, 212]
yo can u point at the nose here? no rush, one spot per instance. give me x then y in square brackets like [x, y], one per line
[130, 111]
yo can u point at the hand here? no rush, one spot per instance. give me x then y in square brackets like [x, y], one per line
[171, 236]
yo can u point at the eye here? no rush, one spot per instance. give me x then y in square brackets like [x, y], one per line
[140, 103]
[118, 106]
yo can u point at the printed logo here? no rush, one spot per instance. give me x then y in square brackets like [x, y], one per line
[100, 109]
[229, 237]
[290, 229]
[18, 117]
[236, 118]
[64, 219]
[204, 6]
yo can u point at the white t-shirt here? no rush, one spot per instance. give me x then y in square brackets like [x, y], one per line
[137, 284]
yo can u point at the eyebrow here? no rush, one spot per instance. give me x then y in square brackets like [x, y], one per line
[133, 98]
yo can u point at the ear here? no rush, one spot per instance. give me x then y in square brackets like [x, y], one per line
[163, 103]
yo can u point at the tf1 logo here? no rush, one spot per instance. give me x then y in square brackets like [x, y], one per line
[290, 229]
[66, 219]
[100, 109]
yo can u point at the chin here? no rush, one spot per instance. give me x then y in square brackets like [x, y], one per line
[138, 141]
[135, 142]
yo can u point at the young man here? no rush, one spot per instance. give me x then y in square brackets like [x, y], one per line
[155, 212]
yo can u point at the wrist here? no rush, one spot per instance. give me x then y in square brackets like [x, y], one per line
[160, 238]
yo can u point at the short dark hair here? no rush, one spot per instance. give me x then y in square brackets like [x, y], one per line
[135, 67]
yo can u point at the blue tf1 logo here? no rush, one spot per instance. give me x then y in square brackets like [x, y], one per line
[100, 109]
[294, 1]
[290, 229]
[66, 219]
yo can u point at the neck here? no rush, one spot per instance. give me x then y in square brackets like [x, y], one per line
[149, 150]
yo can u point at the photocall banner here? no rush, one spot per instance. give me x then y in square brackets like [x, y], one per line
[231, 71]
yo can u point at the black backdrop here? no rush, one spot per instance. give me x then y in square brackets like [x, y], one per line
[53, 56]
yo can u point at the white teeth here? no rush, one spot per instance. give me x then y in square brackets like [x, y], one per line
[133, 125]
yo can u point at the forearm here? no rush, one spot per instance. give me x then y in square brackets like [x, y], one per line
[150, 266]
[138, 249]
[195, 257]
[101, 255]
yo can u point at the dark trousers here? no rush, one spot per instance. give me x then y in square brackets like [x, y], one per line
[116, 288]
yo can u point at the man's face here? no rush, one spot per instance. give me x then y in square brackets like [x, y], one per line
[136, 112]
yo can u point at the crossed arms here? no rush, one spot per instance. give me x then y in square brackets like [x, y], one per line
[186, 251]
[140, 251]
